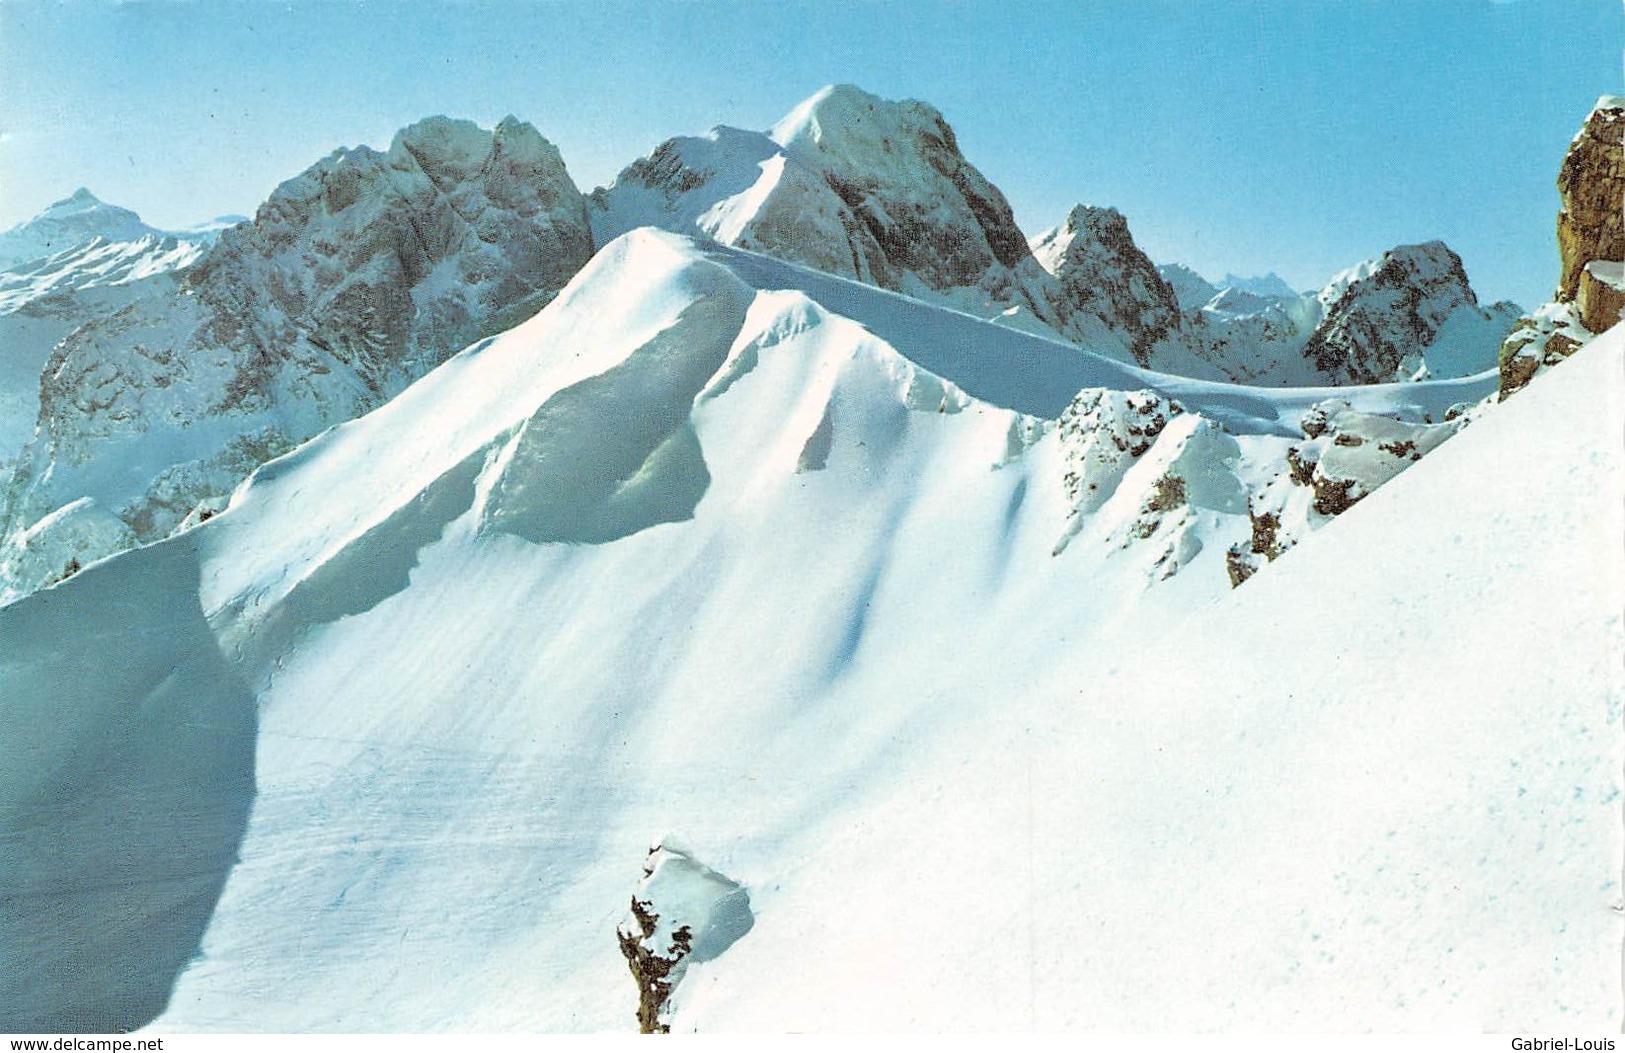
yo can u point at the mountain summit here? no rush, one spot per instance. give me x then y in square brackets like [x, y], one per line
[354, 278]
[69, 223]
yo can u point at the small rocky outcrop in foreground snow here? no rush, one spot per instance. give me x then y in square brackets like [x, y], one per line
[682, 912]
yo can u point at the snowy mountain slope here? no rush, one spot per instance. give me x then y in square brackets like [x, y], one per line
[1037, 375]
[76, 220]
[75, 261]
[355, 277]
[600, 601]
[1008, 369]
[1367, 822]
[94, 263]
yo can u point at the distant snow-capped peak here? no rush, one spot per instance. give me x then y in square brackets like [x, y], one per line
[70, 223]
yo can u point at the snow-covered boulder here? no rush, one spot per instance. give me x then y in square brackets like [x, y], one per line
[682, 912]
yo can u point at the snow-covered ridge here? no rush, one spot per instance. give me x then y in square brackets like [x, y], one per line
[875, 190]
[97, 262]
[467, 672]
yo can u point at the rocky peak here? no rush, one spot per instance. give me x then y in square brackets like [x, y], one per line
[1100, 270]
[1390, 309]
[355, 277]
[892, 162]
[1590, 225]
[401, 258]
[847, 183]
[1269, 285]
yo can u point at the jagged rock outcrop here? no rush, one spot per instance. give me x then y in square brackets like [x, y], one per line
[355, 278]
[1408, 315]
[1591, 244]
[682, 912]
[1591, 220]
[1539, 341]
[1183, 490]
[1381, 319]
[1350, 454]
[1101, 434]
[1345, 456]
[1100, 270]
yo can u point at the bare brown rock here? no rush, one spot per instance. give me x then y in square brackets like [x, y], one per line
[1590, 225]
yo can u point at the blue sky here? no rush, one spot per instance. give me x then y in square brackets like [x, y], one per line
[1245, 135]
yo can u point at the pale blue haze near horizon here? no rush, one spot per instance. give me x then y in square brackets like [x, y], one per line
[1244, 135]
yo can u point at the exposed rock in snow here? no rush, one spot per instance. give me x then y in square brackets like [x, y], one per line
[1591, 185]
[1408, 311]
[1184, 489]
[1540, 340]
[1101, 434]
[1101, 271]
[682, 911]
[355, 277]
[850, 184]
[1349, 454]
[1591, 243]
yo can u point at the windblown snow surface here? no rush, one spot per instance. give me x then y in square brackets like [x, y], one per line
[716, 550]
